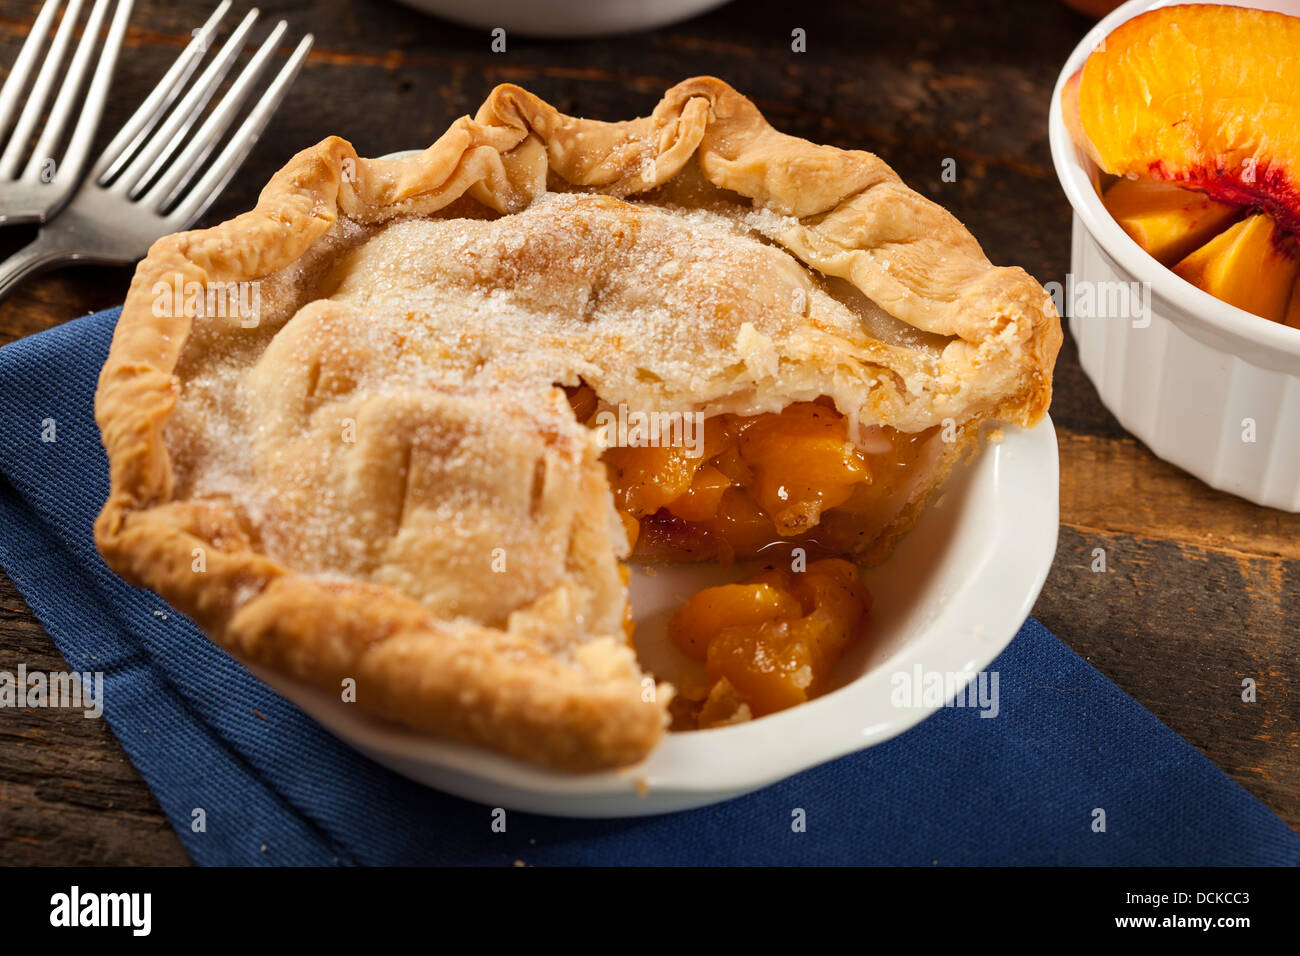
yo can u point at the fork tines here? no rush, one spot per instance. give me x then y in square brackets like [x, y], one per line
[166, 165]
[159, 152]
[158, 158]
[57, 156]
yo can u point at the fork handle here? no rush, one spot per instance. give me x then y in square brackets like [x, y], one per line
[37, 256]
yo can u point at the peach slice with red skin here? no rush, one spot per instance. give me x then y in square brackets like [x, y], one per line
[1197, 95]
[1253, 266]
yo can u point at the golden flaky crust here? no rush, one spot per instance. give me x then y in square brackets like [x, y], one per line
[529, 661]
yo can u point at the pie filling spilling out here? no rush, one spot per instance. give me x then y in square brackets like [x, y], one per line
[477, 382]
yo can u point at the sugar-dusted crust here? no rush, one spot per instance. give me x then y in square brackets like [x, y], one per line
[371, 557]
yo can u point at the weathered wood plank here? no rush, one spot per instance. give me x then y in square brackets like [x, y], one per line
[1119, 486]
[68, 793]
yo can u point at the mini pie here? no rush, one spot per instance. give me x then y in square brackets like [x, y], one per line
[383, 475]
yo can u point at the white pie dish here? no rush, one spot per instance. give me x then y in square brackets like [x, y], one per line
[1185, 372]
[949, 600]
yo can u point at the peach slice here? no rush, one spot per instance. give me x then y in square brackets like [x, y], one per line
[1252, 266]
[729, 605]
[803, 463]
[1197, 95]
[701, 500]
[773, 639]
[644, 478]
[1167, 221]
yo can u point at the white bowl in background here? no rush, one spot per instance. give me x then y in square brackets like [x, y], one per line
[949, 600]
[565, 18]
[1192, 377]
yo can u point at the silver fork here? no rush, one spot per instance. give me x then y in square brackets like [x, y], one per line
[142, 188]
[34, 191]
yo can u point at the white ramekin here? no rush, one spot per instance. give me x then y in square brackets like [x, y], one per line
[1208, 387]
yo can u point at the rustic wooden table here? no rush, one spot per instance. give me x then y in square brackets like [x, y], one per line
[1201, 589]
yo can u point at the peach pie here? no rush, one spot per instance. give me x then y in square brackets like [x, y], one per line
[403, 425]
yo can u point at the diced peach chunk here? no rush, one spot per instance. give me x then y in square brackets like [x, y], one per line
[768, 665]
[1167, 221]
[1252, 266]
[775, 638]
[700, 501]
[803, 464]
[645, 478]
[710, 611]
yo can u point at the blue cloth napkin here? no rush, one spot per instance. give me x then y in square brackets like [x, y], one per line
[275, 788]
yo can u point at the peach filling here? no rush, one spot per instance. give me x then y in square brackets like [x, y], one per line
[760, 479]
[772, 641]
